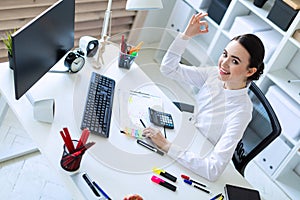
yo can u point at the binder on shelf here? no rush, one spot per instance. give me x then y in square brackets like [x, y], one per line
[217, 9]
[282, 14]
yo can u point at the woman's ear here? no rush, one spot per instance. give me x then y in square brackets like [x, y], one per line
[251, 71]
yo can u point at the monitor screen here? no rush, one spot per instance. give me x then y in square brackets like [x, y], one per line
[41, 43]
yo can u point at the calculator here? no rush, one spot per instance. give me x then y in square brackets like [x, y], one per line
[161, 118]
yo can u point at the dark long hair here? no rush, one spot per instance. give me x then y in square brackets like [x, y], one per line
[256, 49]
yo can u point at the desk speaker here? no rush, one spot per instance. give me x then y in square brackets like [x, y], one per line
[89, 45]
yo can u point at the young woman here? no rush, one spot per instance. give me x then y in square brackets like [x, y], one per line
[224, 107]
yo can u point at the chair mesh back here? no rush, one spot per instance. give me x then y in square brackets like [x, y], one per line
[261, 131]
[259, 127]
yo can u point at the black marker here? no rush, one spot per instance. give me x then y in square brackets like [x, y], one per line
[90, 184]
[164, 174]
[99, 188]
[196, 186]
[148, 146]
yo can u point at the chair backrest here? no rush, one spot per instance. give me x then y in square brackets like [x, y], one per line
[261, 131]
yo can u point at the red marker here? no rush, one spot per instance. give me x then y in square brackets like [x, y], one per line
[188, 178]
[159, 181]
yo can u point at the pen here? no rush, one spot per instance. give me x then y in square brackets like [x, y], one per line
[123, 45]
[164, 174]
[216, 197]
[161, 182]
[188, 178]
[142, 123]
[165, 132]
[99, 188]
[148, 146]
[136, 48]
[196, 186]
[88, 181]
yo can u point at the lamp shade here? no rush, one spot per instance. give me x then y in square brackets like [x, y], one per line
[143, 4]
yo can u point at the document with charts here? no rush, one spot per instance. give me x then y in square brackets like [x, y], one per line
[133, 106]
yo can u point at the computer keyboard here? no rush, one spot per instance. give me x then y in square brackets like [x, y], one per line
[98, 106]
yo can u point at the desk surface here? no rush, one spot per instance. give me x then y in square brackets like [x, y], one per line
[125, 168]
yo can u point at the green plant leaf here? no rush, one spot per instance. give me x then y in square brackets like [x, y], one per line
[8, 41]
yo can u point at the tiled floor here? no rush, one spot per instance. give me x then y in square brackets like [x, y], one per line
[26, 176]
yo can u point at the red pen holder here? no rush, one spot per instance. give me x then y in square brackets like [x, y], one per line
[70, 161]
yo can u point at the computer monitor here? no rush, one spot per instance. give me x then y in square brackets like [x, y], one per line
[41, 43]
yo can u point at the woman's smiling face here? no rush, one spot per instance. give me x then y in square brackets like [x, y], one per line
[233, 66]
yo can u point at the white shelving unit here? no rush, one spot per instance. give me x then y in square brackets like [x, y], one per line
[282, 65]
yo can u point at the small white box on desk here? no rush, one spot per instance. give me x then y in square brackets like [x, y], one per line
[287, 111]
[270, 39]
[247, 24]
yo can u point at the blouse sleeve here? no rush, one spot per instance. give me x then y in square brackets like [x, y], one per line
[172, 68]
[213, 164]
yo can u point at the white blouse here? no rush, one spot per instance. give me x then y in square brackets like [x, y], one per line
[222, 114]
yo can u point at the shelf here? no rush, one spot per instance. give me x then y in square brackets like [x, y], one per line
[289, 182]
[281, 62]
[281, 77]
[262, 12]
[217, 51]
[268, 190]
[288, 179]
[290, 139]
[281, 65]
[295, 42]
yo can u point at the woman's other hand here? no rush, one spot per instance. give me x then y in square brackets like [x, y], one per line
[133, 197]
[157, 137]
[196, 25]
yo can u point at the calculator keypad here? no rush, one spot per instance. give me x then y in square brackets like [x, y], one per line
[166, 120]
[161, 119]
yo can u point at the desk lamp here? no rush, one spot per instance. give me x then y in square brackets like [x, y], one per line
[131, 5]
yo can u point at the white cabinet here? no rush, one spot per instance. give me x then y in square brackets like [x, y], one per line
[281, 65]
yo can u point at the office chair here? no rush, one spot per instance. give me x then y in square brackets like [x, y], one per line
[261, 131]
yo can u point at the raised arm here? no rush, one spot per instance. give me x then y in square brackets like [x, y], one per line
[196, 25]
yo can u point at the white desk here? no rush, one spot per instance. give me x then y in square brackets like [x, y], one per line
[125, 170]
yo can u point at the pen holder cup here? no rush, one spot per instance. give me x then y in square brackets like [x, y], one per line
[126, 60]
[70, 161]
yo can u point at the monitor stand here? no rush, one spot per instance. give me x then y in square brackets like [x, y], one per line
[43, 110]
